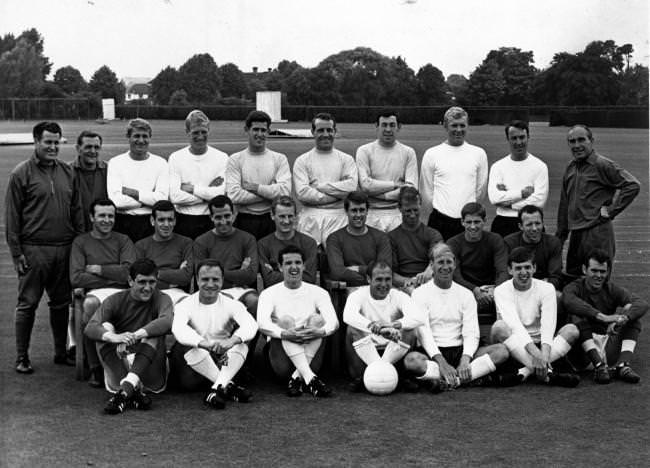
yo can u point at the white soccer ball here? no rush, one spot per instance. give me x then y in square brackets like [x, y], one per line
[380, 378]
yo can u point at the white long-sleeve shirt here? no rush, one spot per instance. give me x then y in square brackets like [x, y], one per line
[361, 309]
[531, 314]
[333, 175]
[380, 168]
[516, 175]
[198, 170]
[452, 176]
[194, 321]
[278, 301]
[150, 177]
[451, 317]
[270, 170]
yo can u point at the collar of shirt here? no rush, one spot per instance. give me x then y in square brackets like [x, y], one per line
[40, 163]
[77, 164]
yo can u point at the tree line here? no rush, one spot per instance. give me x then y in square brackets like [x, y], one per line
[602, 74]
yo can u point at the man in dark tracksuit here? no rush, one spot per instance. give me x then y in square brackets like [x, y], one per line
[42, 218]
[89, 173]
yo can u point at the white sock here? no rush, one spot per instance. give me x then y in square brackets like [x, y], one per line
[71, 338]
[366, 350]
[628, 345]
[559, 348]
[395, 351]
[296, 353]
[131, 378]
[236, 357]
[525, 372]
[588, 345]
[482, 366]
[201, 361]
[432, 372]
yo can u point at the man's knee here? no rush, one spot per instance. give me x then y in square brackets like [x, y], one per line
[570, 333]
[90, 305]
[249, 300]
[500, 332]
[415, 363]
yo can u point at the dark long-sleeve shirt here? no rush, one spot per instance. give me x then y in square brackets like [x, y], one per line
[168, 255]
[127, 314]
[42, 207]
[115, 255]
[90, 185]
[344, 250]
[588, 185]
[269, 247]
[480, 263]
[579, 300]
[411, 249]
[231, 251]
[548, 255]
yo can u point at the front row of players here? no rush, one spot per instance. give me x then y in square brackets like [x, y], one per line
[433, 338]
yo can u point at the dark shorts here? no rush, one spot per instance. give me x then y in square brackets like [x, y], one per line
[192, 226]
[447, 227]
[504, 225]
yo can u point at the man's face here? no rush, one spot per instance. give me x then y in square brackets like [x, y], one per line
[292, 267]
[456, 131]
[357, 213]
[595, 274]
[222, 219]
[522, 273]
[410, 214]
[209, 280]
[387, 130]
[324, 133]
[88, 151]
[164, 223]
[139, 141]
[473, 225]
[47, 148]
[380, 283]
[103, 219]
[257, 136]
[518, 141]
[580, 144]
[198, 137]
[443, 266]
[142, 287]
[532, 227]
[284, 219]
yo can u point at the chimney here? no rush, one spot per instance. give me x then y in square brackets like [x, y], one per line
[254, 69]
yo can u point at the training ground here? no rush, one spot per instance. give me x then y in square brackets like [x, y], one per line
[50, 419]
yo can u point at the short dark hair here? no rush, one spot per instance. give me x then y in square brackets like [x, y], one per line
[209, 263]
[219, 202]
[322, 116]
[138, 123]
[474, 209]
[290, 249]
[100, 202]
[520, 255]
[376, 264]
[162, 205]
[142, 266]
[283, 200]
[520, 124]
[599, 255]
[529, 209]
[386, 114]
[408, 194]
[89, 134]
[586, 128]
[257, 116]
[357, 197]
[46, 126]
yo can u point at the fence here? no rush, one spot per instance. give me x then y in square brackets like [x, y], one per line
[49, 108]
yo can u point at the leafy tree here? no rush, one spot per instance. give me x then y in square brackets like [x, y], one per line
[51, 90]
[69, 80]
[432, 88]
[518, 75]
[21, 71]
[401, 85]
[105, 84]
[34, 38]
[286, 68]
[7, 42]
[634, 86]
[164, 84]
[233, 81]
[254, 84]
[458, 85]
[299, 87]
[179, 98]
[486, 84]
[200, 77]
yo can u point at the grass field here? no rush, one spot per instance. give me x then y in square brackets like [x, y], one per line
[49, 419]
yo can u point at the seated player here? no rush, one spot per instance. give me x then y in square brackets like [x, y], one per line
[411, 243]
[481, 259]
[352, 248]
[283, 213]
[450, 354]
[211, 332]
[129, 330]
[527, 314]
[608, 317]
[99, 265]
[379, 319]
[171, 252]
[296, 317]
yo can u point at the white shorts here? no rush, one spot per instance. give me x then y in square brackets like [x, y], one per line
[175, 294]
[384, 219]
[319, 223]
[236, 293]
[102, 293]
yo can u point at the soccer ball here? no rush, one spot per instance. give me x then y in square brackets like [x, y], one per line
[286, 322]
[380, 378]
[315, 321]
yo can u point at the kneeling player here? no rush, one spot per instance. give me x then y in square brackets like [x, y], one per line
[296, 316]
[211, 330]
[450, 355]
[527, 317]
[133, 324]
[378, 318]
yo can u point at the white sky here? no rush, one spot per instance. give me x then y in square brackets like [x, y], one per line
[141, 37]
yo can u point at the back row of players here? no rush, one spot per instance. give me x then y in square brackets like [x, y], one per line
[44, 214]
